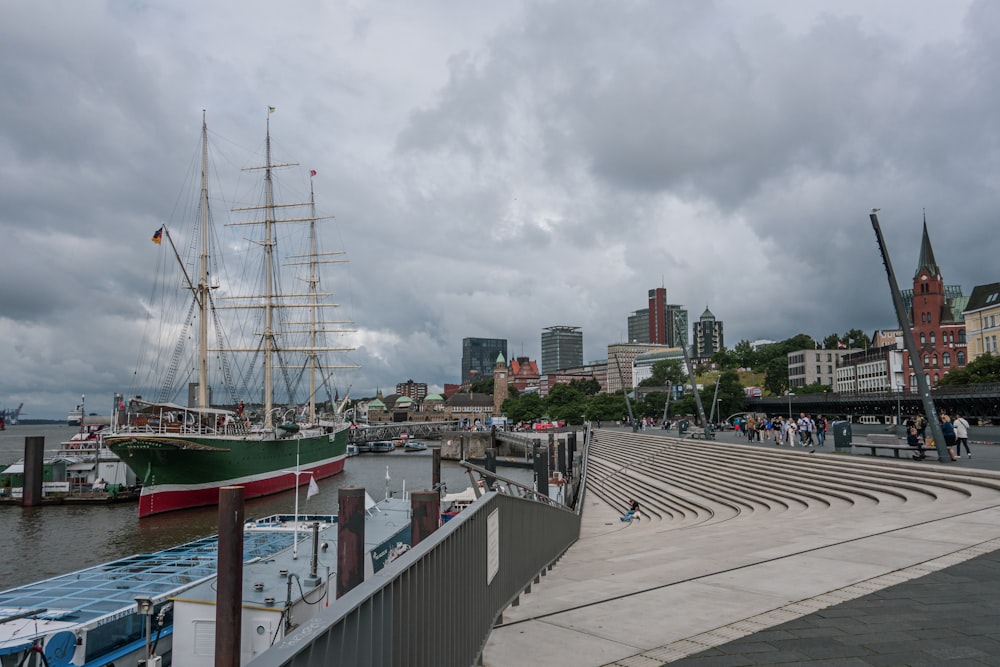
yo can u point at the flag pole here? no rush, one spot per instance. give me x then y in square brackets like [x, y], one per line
[295, 542]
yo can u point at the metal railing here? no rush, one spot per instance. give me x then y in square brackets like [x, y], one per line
[437, 605]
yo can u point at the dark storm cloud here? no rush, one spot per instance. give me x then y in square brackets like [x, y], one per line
[495, 169]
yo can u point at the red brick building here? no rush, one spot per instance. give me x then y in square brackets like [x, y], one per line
[936, 320]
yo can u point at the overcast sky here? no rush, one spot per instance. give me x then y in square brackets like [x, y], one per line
[495, 168]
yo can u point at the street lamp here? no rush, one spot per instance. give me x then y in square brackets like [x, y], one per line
[789, 395]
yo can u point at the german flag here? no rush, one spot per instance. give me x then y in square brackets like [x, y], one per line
[158, 236]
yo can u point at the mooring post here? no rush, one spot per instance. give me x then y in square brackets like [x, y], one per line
[425, 511]
[571, 445]
[491, 465]
[34, 455]
[561, 456]
[436, 468]
[542, 472]
[350, 538]
[229, 583]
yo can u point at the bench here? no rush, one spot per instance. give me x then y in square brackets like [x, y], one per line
[886, 441]
[701, 435]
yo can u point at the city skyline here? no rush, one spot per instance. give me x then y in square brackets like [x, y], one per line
[491, 168]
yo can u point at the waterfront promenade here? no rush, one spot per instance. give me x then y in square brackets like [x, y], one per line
[759, 555]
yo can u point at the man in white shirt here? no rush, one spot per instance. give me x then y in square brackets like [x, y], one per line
[961, 435]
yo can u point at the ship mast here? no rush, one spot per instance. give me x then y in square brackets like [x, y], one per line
[268, 283]
[203, 286]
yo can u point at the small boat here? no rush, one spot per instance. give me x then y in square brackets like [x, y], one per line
[91, 616]
[382, 447]
[285, 591]
[414, 446]
[353, 450]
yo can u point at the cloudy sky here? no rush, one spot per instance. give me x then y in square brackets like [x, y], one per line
[496, 168]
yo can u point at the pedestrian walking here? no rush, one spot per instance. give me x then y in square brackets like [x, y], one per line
[821, 430]
[948, 431]
[961, 435]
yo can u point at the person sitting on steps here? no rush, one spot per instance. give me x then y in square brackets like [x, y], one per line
[913, 440]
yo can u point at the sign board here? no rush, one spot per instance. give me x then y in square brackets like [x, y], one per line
[492, 545]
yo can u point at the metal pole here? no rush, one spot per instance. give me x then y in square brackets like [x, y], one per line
[911, 347]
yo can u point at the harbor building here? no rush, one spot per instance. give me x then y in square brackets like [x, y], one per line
[621, 359]
[982, 320]
[479, 356]
[414, 390]
[562, 347]
[878, 369]
[806, 367]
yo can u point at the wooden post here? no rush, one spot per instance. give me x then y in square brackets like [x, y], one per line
[229, 591]
[34, 455]
[425, 511]
[350, 539]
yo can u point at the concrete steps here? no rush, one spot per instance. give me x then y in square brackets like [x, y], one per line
[683, 482]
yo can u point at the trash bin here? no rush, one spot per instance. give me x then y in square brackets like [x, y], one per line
[841, 436]
[682, 426]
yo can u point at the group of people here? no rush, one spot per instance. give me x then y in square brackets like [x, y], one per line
[806, 431]
[955, 432]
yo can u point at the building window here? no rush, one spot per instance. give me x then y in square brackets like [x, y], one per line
[933, 338]
[961, 335]
[935, 360]
[923, 339]
[946, 359]
[960, 356]
[927, 360]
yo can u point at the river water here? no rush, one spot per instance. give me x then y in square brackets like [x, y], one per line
[40, 542]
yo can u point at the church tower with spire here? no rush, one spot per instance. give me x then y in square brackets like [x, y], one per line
[935, 318]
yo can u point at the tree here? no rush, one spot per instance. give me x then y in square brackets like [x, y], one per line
[745, 355]
[984, 368]
[605, 406]
[665, 372]
[483, 386]
[831, 341]
[588, 387]
[525, 408]
[856, 339]
[725, 360]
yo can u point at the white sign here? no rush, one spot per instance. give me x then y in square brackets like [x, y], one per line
[492, 545]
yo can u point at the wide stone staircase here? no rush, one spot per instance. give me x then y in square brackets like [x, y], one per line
[735, 539]
[680, 483]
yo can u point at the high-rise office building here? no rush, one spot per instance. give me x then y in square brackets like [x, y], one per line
[479, 356]
[562, 347]
[707, 335]
[638, 326]
[668, 322]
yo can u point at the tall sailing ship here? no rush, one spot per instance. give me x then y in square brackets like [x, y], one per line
[183, 452]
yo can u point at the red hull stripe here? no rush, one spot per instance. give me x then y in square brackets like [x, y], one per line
[169, 497]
